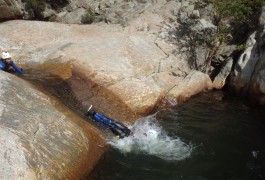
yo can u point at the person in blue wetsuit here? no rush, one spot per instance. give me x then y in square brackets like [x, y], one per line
[117, 128]
[6, 63]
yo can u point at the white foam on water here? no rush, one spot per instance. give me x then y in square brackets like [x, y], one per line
[149, 138]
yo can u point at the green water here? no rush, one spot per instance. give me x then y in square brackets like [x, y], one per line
[228, 139]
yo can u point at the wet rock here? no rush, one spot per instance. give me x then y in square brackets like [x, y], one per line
[40, 138]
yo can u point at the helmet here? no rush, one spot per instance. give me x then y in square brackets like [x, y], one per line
[5, 55]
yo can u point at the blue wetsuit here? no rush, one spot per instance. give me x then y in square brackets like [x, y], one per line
[103, 120]
[4, 66]
[117, 128]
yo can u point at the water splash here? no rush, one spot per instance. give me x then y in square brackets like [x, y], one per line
[149, 138]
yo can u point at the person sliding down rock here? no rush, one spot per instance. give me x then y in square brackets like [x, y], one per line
[117, 128]
[6, 63]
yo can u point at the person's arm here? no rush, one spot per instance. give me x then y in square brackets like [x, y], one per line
[2, 65]
[18, 70]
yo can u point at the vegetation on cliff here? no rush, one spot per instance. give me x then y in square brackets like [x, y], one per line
[35, 8]
[240, 15]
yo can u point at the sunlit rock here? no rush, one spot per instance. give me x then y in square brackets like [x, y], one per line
[40, 138]
[120, 70]
[220, 80]
[194, 83]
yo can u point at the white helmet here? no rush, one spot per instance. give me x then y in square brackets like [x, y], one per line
[5, 55]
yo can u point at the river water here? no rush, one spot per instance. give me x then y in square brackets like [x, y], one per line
[212, 136]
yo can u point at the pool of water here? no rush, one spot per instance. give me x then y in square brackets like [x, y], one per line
[225, 140]
[214, 135]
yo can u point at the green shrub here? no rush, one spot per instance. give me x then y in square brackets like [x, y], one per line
[240, 10]
[57, 4]
[240, 14]
[89, 17]
[35, 8]
[241, 47]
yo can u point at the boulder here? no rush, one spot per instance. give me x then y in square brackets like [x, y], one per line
[194, 83]
[220, 80]
[10, 9]
[40, 138]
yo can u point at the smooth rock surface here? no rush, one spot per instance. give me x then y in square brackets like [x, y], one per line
[40, 138]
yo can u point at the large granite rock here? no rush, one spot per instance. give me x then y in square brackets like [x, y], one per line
[248, 75]
[40, 138]
[121, 71]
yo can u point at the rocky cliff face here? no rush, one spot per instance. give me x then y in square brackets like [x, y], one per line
[248, 75]
[40, 138]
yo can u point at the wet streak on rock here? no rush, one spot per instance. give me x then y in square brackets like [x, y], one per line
[102, 98]
[77, 91]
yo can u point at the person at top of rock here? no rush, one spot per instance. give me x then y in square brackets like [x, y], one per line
[6, 62]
